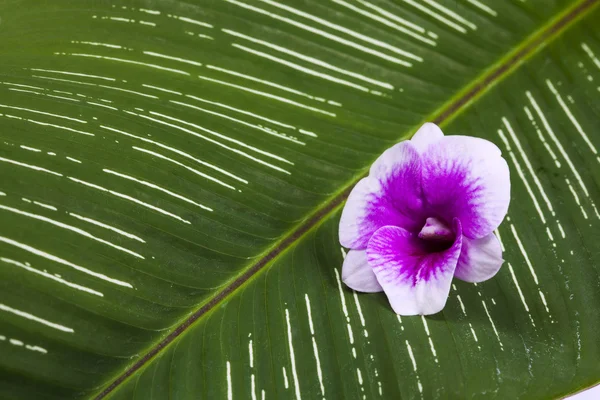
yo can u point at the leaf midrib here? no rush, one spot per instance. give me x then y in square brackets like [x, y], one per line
[441, 116]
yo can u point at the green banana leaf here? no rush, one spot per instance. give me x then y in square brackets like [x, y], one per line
[172, 175]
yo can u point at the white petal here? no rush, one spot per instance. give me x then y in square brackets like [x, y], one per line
[355, 230]
[427, 134]
[390, 195]
[357, 274]
[467, 178]
[480, 259]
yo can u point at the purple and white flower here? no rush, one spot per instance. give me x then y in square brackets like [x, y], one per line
[426, 213]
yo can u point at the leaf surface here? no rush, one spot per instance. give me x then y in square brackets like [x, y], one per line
[173, 173]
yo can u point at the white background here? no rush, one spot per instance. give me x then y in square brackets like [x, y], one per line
[590, 394]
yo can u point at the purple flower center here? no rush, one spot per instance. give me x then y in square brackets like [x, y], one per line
[436, 235]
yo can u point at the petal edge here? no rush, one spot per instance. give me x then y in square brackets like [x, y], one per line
[357, 274]
[427, 134]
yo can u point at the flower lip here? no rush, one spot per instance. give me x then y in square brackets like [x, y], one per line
[436, 235]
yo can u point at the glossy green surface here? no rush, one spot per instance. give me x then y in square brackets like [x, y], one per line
[152, 152]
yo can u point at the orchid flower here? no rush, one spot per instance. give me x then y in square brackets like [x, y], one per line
[426, 213]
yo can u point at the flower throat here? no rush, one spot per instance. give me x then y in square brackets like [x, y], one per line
[436, 235]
